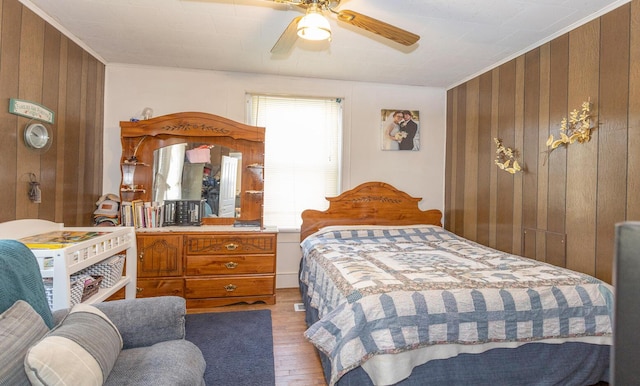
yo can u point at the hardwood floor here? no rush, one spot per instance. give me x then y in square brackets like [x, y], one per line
[296, 361]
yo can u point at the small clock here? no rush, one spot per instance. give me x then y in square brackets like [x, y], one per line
[37, 136]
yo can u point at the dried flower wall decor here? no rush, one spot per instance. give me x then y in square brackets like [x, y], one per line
[576, 128]
[506, 158]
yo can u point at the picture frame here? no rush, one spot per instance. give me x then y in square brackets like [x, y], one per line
[400, 130]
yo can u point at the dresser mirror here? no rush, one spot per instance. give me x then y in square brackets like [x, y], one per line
[193, 156]
[196, 170]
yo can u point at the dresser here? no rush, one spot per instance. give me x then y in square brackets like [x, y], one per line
[216, 255]
[209, 266]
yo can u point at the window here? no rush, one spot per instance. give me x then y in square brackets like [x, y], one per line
[302, 154]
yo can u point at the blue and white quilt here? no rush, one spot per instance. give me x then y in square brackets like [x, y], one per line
[382, 290]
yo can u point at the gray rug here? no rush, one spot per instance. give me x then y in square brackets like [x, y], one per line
[237, 346]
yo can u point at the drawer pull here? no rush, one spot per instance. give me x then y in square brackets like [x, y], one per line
[230, 287]
[139, 290]
[231, 265]
[141, 256]
[231, 247]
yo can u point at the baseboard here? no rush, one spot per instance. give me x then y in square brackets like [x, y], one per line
[287, 280]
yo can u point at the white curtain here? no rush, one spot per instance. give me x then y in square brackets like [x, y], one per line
[302, 154]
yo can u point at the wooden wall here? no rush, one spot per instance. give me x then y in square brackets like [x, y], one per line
[562, 209]
[39, 64]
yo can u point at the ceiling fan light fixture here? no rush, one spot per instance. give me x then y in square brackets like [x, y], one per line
[314, 26]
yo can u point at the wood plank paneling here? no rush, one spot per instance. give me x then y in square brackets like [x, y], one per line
[73, 172]
[471, 161]
[518, 145]
[612, 134]
[30, 80]
[569, 199]
[493, 176]
[460, 159]
[541, 203]
[11, 137]
[530, 150]
[52, 40]
[633, 164]
[582, 159]
[39, 64]
[506, 132]
[62, 132]
[557, 161]
[449, 159]
[485, 158]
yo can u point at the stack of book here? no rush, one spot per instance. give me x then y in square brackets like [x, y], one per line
[142, 214]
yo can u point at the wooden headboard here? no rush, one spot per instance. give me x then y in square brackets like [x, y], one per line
[371, 203]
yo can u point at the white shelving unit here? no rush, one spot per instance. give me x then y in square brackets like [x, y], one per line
[76, 257]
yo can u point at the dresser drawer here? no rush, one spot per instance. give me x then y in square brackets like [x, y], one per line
[228, 287]
[147, 288]
[227, 244]
[230, 265]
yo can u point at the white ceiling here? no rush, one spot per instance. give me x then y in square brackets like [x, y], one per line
[459, 38]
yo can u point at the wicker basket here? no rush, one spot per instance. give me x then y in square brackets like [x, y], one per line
[110, 270]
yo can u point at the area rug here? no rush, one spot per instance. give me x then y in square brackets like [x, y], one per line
[237, 346]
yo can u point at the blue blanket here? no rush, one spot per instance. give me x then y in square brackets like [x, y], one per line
[20, 279]
[388, 291]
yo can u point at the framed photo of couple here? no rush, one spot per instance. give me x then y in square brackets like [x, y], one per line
[400, 129]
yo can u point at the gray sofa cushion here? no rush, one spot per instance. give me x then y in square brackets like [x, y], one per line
[80, 350]
[146, 321]
[171, 363]
[20, 327]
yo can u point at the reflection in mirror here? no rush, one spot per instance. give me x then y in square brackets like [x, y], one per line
[194, 171]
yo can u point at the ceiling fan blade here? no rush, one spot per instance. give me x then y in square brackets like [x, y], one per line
[288, 38]
[378, 27]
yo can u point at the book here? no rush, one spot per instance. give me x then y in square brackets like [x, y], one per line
[246, 223]
[58, 239]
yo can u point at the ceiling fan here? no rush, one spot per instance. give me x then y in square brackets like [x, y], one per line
[314, 26]
[316, 8]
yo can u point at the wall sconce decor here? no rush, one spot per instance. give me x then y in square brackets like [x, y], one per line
[506, 158]
[576, 128]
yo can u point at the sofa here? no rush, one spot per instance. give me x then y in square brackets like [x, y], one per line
[123, 342]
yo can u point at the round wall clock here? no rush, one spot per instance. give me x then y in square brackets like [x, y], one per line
[37, 136]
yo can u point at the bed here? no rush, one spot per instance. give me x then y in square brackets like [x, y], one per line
[391, 297]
